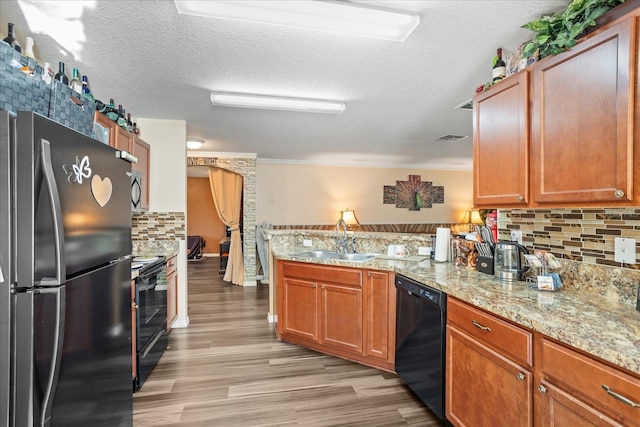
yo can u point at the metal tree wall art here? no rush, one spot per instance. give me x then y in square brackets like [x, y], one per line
[413, 194]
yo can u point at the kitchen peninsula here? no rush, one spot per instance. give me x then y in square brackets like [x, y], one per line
[597, 334]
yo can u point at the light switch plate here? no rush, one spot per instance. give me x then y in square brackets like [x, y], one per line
[307, 243]
[625, 250]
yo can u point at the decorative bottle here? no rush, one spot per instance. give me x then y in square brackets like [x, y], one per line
[75, 83]
[499, 67]
[111, 111]
[47, 73]
[61, 76]
[86, 92]
[28, 48]
[11, 38]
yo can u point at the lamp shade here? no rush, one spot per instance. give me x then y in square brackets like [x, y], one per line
[349, 217]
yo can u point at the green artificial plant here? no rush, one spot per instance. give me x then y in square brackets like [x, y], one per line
[559, 31]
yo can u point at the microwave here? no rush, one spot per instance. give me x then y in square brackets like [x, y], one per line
[136, 191]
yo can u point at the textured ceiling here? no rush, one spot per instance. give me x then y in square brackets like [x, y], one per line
[400, 97]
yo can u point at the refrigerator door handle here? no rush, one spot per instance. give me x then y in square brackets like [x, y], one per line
[56, 354]
[56, 212]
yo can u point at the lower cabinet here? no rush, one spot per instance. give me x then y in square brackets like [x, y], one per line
[492, 380]
[485, 386]
[346, 312]
[172, 291]
[575, 389]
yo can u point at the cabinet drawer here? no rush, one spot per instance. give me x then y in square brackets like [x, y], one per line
[324, 274]
[589, 378]
[494, 332]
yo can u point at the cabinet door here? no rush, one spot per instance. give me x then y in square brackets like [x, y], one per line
[142, 151]
[501, 144]
[557, 408]
[379, 332]
[106, 122]
[341, 317]
[172, 291]
[583, 119]
[123, 139]
[483, 388]
[300, 308]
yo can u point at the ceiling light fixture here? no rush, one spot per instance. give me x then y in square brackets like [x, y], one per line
[243, 100]
[194, 144]
[328, 15]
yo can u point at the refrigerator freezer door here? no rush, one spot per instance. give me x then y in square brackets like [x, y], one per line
[6, 126]
[93, 386]
[93, 188]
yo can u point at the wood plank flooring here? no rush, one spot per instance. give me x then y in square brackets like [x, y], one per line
[228, 369]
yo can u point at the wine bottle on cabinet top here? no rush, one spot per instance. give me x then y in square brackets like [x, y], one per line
[499, 67]
[76, 84]
[61, 76]
[28, 48]
[86, 92]
[11, 38]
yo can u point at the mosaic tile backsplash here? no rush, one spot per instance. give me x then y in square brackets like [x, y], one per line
[158, 226]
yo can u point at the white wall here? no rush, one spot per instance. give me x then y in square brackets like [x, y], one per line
[168, 186]
[294, 194]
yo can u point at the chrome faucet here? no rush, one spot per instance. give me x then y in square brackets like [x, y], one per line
[342, 241]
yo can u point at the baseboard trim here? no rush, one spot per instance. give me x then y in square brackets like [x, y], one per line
[180, 323]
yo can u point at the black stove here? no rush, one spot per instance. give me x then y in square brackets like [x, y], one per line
[151, 313]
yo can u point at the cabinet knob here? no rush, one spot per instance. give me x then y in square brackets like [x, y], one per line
[520, 198]
[368, 274]
[619, 194]
[542, 389]
[134, 305]
[520, 376]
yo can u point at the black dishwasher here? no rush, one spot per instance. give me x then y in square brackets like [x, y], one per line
[420, 341]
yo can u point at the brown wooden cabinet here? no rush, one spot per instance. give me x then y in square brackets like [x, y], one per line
[501, 144]
[575, 389]
[341, 316]
[379, 316]
[346, 312]
[142, 151]
[123, 140]
[583, 115]
[565, 131]
[172, 291]
[486, 382]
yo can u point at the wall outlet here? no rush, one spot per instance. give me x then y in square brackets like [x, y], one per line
[516, 236]
[424, 250]
[625, 250]
[307, 243]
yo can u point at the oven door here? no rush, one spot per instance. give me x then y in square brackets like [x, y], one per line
[151, 298]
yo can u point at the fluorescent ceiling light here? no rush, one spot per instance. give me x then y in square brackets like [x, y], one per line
[194, 144]
[328, 15]
[227, 99]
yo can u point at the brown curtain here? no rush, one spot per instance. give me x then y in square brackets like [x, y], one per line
[226, 189]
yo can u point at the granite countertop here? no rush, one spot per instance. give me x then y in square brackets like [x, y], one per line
[607, 329]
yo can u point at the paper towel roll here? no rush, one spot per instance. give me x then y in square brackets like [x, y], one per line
[442, 244]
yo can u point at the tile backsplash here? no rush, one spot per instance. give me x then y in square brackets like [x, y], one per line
[581, 234]
[158, 226]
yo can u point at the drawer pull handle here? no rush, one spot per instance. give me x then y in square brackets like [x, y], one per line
[542, 389]
[520, 376]
[479, 326]
[620, 397]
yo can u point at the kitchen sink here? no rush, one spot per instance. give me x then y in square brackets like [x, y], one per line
[326, 254]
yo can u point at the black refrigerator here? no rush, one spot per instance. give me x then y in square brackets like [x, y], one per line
[65, 277]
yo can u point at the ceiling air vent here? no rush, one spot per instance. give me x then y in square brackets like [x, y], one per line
[466, 105]
[449, 138]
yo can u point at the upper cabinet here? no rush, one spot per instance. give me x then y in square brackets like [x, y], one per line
[501, 144]
[566, 131]
[123, 140]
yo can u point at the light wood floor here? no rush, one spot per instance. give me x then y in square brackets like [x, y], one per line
[228, 369]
